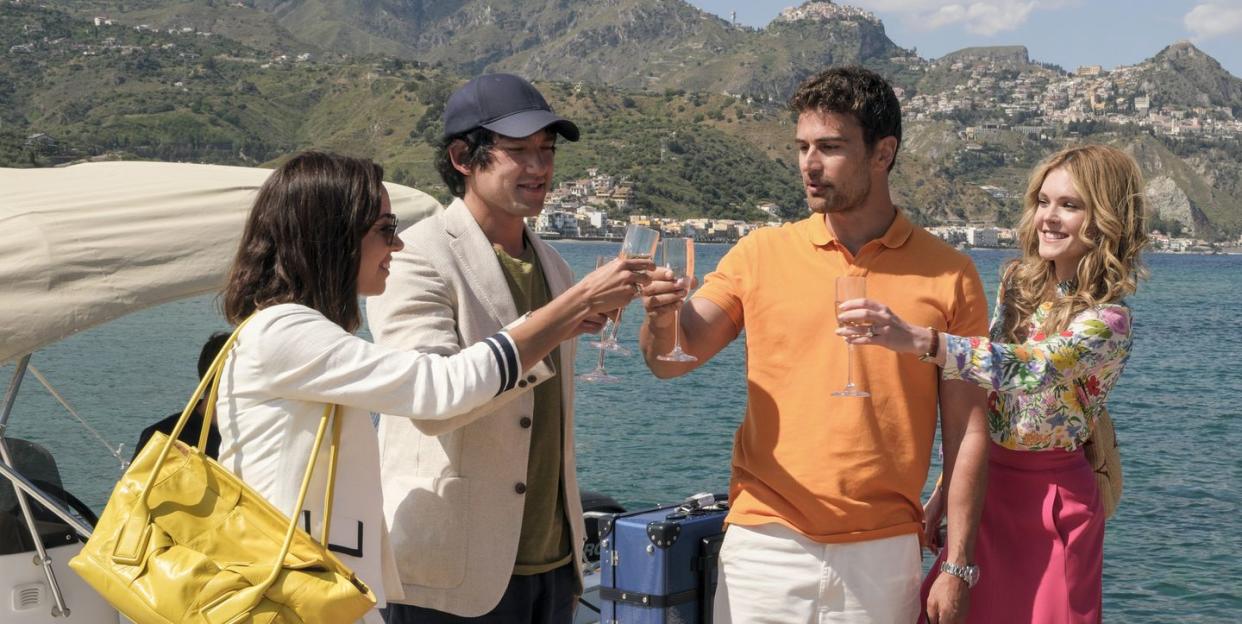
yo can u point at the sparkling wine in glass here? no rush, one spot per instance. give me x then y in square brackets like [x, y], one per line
[850, 287]
[639, 243]
[678, 256]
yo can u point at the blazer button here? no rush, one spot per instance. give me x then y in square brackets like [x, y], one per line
[524, 422]
[531, 379]
[522, 383]
[520, 488]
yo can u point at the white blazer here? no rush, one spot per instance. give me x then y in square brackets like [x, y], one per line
[451, 487]
[290, 361]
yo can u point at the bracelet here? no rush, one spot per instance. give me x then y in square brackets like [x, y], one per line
[930, 356]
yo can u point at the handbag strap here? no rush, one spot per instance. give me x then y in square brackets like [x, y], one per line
[329, 411]
[242, 601]
[132, 541]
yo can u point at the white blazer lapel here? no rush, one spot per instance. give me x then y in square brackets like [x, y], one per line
[558, 280]
[478, 261]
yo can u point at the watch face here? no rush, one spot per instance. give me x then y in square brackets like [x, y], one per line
[972, 575]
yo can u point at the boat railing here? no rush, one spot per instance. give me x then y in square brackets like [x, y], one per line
[23, 488]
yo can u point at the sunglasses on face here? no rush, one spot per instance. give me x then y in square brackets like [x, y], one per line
[388, 229]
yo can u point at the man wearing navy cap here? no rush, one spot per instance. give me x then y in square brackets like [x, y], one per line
[484, 510]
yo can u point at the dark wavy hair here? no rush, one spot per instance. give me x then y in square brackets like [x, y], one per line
[479, 143]
[854, 91]
[303, 238]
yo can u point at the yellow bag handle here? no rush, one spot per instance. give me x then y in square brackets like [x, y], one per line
[132, 542]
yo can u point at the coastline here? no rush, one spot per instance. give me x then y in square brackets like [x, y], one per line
[1223, 251]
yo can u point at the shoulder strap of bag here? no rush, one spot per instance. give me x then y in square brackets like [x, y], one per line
[132, 541]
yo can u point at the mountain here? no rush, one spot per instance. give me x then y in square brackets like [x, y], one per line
[73, 91]
[631, 44]
[1184, 75]
[685, 105]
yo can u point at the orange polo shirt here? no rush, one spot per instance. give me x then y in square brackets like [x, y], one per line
[837, 469]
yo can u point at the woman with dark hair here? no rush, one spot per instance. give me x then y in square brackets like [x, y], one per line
[321, 234]
[1060, 338]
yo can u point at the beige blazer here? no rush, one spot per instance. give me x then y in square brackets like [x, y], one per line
[452, 487]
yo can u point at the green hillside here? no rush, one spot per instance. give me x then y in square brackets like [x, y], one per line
[633, 44]
[647, 80]
[212, 100]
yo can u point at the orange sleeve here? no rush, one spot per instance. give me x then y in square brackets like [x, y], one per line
[726, 285]
[969, 313]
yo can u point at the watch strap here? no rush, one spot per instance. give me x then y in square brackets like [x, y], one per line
[968, 573]
[930, 356]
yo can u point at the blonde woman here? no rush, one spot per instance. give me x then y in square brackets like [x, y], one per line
[1060, 337]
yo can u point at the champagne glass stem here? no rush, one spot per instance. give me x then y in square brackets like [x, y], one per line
[849, 367]
[616, 325]
[677, 330]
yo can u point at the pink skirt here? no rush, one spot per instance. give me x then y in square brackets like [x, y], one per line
[1040, 547]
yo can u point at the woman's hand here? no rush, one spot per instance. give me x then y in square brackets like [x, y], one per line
[612, 286]
[867, 322]
[592, 324]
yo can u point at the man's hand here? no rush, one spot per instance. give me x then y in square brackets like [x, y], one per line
[663, 296]
[948, 600]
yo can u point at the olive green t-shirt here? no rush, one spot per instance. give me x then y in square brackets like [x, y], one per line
[544, 544]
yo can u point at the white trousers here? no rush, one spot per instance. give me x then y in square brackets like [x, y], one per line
[770, 573]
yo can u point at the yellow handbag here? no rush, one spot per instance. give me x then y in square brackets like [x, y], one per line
[1104, 454]
[182, 539]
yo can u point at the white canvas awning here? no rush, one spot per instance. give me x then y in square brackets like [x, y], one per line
[85, 244]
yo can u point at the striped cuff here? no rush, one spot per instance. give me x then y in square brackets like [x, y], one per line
[506, 353]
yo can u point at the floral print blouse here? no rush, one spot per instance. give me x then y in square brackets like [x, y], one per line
[1047, 391]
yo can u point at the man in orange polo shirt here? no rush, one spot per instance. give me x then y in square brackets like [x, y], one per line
[825, 491]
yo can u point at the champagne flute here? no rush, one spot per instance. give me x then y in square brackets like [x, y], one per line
[640, 243]
[598, 374]
[850, 287]
[607, 340]
[678, 257]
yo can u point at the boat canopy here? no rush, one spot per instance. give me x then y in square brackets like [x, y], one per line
[84, 244]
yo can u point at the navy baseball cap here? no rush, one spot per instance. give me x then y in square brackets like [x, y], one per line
[505, 104]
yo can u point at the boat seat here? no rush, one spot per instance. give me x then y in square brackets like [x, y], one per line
[35, 462]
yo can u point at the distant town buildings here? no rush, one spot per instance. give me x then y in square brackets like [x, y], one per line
[1037, 99]
[974, 236]
[579, 209]
[825, 11]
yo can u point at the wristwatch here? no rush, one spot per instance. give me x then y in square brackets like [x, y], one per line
[968, 572]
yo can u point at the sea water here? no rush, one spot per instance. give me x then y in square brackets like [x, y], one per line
[1173, 552]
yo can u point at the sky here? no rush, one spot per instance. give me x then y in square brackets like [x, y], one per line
[1069, 33]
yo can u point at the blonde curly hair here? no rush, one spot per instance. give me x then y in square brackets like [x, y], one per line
[1114, 229]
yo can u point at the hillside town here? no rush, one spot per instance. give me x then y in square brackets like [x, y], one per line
[579, 209]
[1034, 99]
